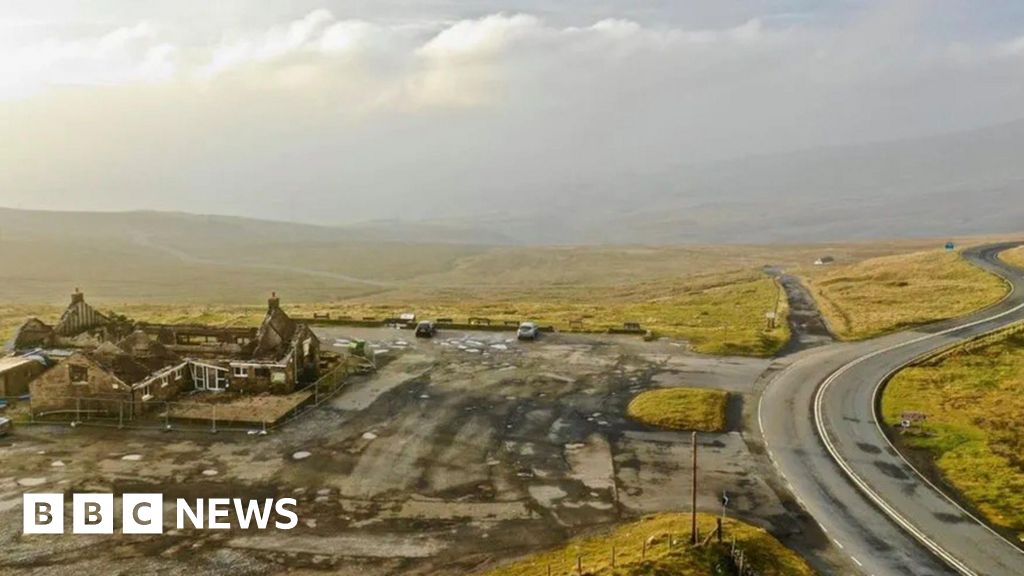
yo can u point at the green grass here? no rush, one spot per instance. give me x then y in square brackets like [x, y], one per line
[681, 409]
[974, 431]
[881, 295]
[763, 553]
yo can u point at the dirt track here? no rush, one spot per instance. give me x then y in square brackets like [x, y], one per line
[462, 451]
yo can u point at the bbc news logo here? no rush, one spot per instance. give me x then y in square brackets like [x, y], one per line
[144, 513]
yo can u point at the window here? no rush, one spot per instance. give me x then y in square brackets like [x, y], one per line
[178, 374]
[278, 377]
[263, 372]
[78, 374]
[240, 371]
[147, 392]
[164, 381]
[221, 380]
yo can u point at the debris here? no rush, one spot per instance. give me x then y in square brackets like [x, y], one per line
[301, 455]
[132, 457]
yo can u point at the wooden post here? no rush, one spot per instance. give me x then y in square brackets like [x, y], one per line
[741, 563]
[120, 415]
[549, 569]
[613, 555]
[719, 530]
[579, 565]
[643, 550]
[214, 429]
[693, 503]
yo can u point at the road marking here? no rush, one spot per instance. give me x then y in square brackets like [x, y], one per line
[840, 544]
[855, 561]
[871, 494]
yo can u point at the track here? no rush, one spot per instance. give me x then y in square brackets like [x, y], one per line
[842, 469]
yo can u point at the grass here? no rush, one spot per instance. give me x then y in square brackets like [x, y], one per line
[681, 409]
[881, 295]
[715, 313]
[763, 553]
[974, 431]
[190, 270]
[1014, 256]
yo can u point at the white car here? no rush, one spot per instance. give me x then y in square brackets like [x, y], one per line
[5, 426]
[527, 331]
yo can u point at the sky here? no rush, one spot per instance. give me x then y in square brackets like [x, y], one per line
[336, 112]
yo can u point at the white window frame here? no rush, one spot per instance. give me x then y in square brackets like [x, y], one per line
[240, 371]
[147, 391]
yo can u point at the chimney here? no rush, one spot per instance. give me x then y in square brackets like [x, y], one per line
[77, 297]
[274, 302]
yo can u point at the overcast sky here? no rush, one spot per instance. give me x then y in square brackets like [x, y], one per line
[336, 112]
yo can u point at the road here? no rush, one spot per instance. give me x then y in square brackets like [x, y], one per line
[818, 421]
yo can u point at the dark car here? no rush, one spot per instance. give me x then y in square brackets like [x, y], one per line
[426, 329]
[527, 331]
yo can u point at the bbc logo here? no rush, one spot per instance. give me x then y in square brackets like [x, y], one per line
[93, 514]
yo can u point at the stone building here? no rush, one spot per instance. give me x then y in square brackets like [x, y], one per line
[158, 363]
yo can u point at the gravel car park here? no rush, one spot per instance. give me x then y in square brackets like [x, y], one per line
[461, 451]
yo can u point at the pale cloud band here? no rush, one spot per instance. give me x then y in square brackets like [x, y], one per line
[443, 115]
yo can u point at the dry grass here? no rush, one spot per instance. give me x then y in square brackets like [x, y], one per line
[717, 314]
[763, 553]
[974, 431]
[885, 294]
[1014, 256]
[681, 409]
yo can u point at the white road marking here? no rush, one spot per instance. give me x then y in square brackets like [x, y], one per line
[871, 494]
[855, 561]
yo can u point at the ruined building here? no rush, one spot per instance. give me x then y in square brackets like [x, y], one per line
[161, 362]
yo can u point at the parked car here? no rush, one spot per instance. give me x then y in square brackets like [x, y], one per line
[426, 329]
[527, 331]
[5, 426]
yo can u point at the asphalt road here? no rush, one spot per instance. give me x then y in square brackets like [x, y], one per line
[818, 421]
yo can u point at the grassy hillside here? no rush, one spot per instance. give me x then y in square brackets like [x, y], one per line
[1014, 256]
[762, 552]
[181, 267]
[974, 431]
[884, 294]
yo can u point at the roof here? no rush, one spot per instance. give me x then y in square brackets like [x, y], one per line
[275, 334]
[33, 332]
[126, 367]
[151, 354]
[79, 317]
[11, 362]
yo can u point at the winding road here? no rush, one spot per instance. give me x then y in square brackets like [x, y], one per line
[817, 418]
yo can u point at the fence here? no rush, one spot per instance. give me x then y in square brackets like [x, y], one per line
[737, 561]
[249, 414]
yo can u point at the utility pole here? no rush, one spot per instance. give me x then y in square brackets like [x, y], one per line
[693, 503]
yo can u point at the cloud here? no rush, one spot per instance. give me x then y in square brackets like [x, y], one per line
[443, 115]
[125, 55]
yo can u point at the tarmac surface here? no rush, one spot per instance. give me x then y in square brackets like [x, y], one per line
[840, 466]
[461, 452]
